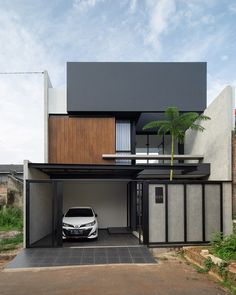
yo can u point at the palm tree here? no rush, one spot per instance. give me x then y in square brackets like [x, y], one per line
[176, 125]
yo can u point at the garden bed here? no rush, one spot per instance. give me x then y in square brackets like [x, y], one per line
[208, 263]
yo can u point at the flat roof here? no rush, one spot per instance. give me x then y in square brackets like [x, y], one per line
[96, 171]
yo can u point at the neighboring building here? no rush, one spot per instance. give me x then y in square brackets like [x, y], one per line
[11, 185]
[97, 154]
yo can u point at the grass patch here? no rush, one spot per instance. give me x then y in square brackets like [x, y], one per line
[229, 286]
[11, 243]
[224, 247]
[10, 219]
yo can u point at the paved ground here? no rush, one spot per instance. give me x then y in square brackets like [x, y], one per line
[169, 277]
[46, 257]
[105, 239]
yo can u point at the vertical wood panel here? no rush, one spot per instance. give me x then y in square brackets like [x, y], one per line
[81, 140]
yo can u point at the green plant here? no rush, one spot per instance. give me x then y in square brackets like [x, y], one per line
[228, 285]
[224, 247]
[11, 243]
[223, 270]
[176, 125]
[199, 269]
[208, 263]
[11, 218]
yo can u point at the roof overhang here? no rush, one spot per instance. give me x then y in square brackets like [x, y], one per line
[132, 172]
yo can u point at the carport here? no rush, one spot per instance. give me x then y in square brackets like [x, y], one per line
[110, 190]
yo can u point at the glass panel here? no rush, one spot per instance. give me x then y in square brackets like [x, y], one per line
[155, 147]
[141, 147]
[122, 161]
[123, 136]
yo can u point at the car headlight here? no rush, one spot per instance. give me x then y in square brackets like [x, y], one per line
[90, 223]
[66, 224]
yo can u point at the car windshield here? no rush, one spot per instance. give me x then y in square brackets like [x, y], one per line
[79, 212]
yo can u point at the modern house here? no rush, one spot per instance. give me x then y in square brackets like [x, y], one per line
[97, 154]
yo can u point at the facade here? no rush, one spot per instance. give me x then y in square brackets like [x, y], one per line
[97, 154]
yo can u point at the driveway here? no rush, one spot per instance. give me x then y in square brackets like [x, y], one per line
[167, 277]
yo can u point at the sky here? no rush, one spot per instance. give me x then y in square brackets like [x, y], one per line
[43, 35]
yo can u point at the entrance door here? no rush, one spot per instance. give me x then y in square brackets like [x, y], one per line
[43, 213]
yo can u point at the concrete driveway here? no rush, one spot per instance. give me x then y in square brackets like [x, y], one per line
[167, 277]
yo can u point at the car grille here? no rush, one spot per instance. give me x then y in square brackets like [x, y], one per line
[71, 233]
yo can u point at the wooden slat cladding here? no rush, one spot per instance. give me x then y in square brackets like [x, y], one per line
[76, 140]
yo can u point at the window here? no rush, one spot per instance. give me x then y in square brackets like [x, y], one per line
[123, 140]
[148, 144]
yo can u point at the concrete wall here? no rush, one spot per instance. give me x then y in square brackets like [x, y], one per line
[108, 199]
[157, 218]
[227, 208]
[47, 86]
[215, 142]
[234, 172]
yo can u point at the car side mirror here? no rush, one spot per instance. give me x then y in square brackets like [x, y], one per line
[96, 215]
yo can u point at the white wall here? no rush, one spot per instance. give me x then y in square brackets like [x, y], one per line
[57, 103]
[41, 195]
[47, 86]
[108, 199]
[31, 173]
[215, 143]
[54, 103]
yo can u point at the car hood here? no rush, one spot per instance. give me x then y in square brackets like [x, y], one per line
[78, 220]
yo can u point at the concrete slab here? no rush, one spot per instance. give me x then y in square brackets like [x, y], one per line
[52, 257]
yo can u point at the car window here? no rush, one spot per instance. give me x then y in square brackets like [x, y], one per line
[79, 212]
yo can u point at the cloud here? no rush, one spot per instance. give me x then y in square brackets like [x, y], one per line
[98, 30]
[84, 5]
[232, 7]
[160, 14]
[216, 85]
[21, 96]
[133, 5]
[224, 57]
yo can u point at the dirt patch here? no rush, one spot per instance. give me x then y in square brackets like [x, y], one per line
[8, 234]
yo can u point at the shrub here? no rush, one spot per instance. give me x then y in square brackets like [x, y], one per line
[224, 247]
[11, 218]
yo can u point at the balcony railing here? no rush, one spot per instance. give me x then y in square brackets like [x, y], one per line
[198, 158]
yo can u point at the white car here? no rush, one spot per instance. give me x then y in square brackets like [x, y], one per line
[80, 222]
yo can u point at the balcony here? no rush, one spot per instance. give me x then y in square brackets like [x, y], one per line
[185, 166]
